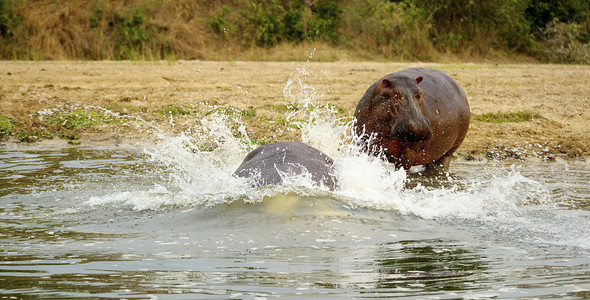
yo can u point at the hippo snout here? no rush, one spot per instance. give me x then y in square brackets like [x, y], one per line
[412, 130]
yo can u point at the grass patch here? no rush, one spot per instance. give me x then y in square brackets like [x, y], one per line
[228, 111]
[33, 136]
[6, 126]
[507, 117]
[79, 119]
[285, 122]
[283, 108]
[173, 109]
[251, 113]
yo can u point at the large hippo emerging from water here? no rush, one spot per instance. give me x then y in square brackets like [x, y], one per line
[265, 164]
[417, 116]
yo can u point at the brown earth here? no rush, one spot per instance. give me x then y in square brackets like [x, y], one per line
[34, 94]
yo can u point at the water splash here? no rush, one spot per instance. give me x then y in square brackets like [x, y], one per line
[199, 164]
[320, 127]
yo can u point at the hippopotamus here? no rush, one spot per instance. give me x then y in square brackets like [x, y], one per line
[417, 116]
[265, 163]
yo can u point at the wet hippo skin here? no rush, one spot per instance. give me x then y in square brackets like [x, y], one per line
[417, 116]
[265, 163]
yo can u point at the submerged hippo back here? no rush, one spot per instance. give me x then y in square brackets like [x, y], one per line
[265, 164]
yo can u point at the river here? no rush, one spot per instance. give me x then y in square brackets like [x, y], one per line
[111, 222]
[168, 220]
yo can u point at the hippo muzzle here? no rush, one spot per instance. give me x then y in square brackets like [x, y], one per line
[411, 130]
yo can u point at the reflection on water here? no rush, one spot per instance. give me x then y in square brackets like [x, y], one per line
[82, 222]
[428, 265]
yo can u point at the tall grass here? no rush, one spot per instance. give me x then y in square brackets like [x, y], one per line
[263, 29]
[102, 29]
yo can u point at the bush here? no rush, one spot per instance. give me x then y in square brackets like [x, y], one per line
[562, 43]
[382, 29]
[133, 33]
[394, 30]
[326, 21]
[260, 23]
[267, 23]
[477, 26]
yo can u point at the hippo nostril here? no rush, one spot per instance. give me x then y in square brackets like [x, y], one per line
[414, 127]
[412, 131]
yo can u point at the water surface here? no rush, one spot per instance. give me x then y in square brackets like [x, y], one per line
[169, 221]
[84, 222]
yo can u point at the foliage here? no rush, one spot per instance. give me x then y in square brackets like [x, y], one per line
[262, 23]
[391, 29]
[550, 30]
[562, 43]
[542, 13]
[267, 23]
[6, 126]
[465, 25]
[33, 136]
[132, 33]
[9, 18]
[326, 22]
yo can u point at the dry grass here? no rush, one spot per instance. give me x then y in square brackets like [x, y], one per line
[171, 30]
[33, 94]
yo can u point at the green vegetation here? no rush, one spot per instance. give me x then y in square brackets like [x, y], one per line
[33, 136]
[547, 30]
[469, 156]
[6, 126]
[282, 108]
[506, 117]
[250, 113]
[79, 119]
[174, 109]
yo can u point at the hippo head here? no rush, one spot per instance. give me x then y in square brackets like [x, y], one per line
[395, 110]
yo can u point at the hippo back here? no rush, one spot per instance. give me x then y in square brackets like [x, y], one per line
[265, 164]
[441, 93]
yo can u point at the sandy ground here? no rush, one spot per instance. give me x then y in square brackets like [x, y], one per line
[34, 93]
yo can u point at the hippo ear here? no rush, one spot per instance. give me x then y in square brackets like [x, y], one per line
[386, 82]
[419, 79]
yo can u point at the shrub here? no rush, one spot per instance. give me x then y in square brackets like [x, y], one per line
[562, 43]
[325, 22]
[461, 25]
[132, 34]
[392, 29]
[262, 23]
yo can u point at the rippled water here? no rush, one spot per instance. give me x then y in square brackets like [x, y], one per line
[170, 221]
[80, 222]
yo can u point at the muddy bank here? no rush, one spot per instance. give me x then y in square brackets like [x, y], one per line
[127, 102]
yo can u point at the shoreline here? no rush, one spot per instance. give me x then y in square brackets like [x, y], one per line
[47, 97]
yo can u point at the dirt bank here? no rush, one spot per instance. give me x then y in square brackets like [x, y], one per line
[44, 100]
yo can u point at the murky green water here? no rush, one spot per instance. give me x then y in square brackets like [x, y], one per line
[80, 222]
